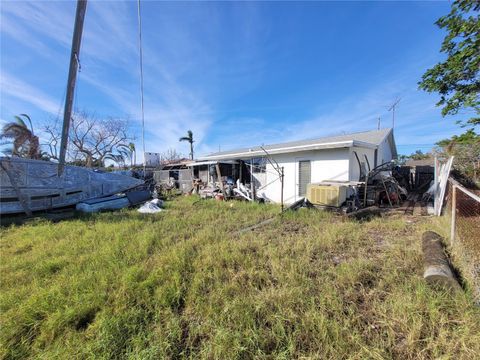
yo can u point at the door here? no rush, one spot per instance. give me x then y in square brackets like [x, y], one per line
[304, 176]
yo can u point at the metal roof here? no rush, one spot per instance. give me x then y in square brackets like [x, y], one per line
[361, 139]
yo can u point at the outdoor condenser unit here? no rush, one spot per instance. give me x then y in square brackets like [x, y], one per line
[326, 195]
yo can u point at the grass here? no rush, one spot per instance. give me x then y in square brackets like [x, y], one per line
[183, 284]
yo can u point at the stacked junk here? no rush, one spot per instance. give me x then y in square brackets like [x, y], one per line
[385, 185]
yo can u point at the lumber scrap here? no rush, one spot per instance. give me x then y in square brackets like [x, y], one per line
[256, 226]
[437, 270]
[219, 176]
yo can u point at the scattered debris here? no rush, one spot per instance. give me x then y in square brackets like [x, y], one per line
[151, 207]
[441, 185]
[114, 202]
[29, 185]
[253, 227]
[136, 197]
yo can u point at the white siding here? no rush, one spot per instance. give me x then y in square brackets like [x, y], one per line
[361, 152]
[328, 164]
[384, 151]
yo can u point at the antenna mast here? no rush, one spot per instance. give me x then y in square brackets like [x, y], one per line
[392, 109]
[72, 78]
[139, 13]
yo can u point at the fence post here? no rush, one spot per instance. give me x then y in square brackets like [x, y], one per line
[454, 213]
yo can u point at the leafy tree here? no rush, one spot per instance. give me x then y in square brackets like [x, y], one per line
[189, 138]
[470, 137]
[466, 149]
[457, 79]
[133, 152]
[419, 155]
[25, 142]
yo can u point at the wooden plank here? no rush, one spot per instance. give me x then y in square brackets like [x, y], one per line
[219, 176]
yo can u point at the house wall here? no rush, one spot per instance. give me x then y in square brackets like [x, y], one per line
[384, 151]
[354, 167]
[326, 164]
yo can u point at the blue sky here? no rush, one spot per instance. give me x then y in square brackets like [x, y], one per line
[236, 74]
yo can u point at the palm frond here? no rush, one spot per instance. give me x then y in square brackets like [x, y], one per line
[20, 121]
[29, 120]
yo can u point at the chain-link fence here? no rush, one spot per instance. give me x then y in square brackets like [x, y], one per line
[463, 211]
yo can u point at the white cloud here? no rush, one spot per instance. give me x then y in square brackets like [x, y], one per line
[18, 89]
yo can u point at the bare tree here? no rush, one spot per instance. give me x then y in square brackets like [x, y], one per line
[169, 156]
[53, 136]
[97, 139]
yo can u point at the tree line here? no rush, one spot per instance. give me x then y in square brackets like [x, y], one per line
[93, 141]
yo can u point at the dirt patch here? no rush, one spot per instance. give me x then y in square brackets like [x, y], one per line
[85, 320]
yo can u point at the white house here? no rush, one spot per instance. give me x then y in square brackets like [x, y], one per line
[334, 158]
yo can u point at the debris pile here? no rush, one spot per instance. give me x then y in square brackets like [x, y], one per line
[225, 190]
[151, 207]
[381, 186]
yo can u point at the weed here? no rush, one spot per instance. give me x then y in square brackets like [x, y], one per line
[185, 284]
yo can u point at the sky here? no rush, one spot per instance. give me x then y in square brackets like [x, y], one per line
[235, 73]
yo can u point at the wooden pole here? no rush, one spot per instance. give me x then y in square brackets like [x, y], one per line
[454, 214]
[282, 175]
[219, 176]
[72, 78]
[252, 186]
[365, 192]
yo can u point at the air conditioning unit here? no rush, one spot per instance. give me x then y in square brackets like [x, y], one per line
[327, 195]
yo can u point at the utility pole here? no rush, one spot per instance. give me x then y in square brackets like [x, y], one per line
[392, 109]
[378, 123]
[72, 78]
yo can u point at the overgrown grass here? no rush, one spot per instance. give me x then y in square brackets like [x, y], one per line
[183, 284]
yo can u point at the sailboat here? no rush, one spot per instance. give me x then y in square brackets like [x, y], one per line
[28, 185]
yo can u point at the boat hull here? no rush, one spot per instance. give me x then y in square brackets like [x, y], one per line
[33, 185]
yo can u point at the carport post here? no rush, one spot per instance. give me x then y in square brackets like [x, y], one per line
[252, 187]
[281, 181]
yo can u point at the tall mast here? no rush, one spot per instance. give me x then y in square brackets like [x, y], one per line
[72, 78]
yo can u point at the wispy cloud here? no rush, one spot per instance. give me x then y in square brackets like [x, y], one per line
[196, 77]
[18, 89]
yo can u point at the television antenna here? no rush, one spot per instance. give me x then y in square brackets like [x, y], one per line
[392, 109]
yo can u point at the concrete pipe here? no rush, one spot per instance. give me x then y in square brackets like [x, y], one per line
[437, 267]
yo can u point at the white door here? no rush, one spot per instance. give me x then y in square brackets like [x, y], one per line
[304, 177]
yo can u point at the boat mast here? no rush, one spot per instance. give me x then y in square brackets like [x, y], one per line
[72, 78]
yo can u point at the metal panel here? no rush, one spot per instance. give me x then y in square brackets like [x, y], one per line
[326, 195]
[304, 176]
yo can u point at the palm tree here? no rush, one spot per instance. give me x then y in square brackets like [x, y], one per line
[117, 158]
[25, 142]
[189, 138]
[133, 152]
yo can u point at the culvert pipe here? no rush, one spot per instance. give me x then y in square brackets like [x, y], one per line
[437, 270]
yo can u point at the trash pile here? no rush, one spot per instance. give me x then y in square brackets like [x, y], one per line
[120, 201]
[226, 190]
[151, 207]
[382, 187]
